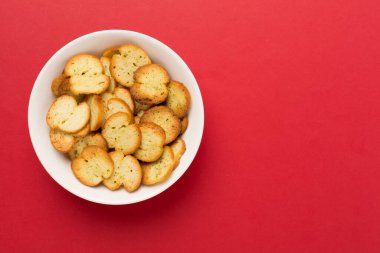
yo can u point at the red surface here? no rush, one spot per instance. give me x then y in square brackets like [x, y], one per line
[290, 159]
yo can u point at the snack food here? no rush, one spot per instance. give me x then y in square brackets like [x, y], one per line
[92, 166]
[97, 111]
[66, 115]
[106, 62]
[179, 148]
[178, 99]
[86, 75]
[152, 142]
[115, 105]
[159, 171]
[61, 141]
[150, 86]
[184, 123]
[121, 134]
[127, 172]
[165, 118]
[89, 140]
[125, 61]
[118, 117]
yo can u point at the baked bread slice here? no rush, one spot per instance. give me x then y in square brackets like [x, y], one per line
[97, 111]
[89, 140]
[126, 61]
[66, 115]
[106, 62]
[140, 107]
[83, 132]
[109, 52]
[165, 118]
[61, 86]
[115, 105]
[86, 75]
[178, 99]
[150, 85]
[127, 172]
[184, 124]
[158, 171]
[107, 96]
[179, 148]
[124, 95]
[61, 141]
[121, 134]
[152, 142]
[92, 166]
[56, 83]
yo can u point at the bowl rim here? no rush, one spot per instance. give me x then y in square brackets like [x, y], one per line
[34, 140]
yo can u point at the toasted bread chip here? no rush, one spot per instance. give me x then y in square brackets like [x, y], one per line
[159, 171]
[124, 95]
[115, 105]
[65, 114]
[165, 118]
[106, 62]
[127, 172]
[179, 148]
[178, 99]
[61, 141]
[109, 52]
[152, 142]
[97, 111]
[126, 61]
[184, 124]
[121, 134]
[150, 85]
[83, 142]
[86, 75]
[83, 132]
[92, 166]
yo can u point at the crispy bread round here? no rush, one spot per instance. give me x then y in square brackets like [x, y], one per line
[158, 171]
[126, 61]
[92, 166]
[165, 118]
[61, 141]
[115, 105]
[121, 134]
[150, 85]
[179, 148]
[184, 124]
[127, 172]
[86, 75]
[152, 142]
[106, 62]
[179, 99]
[66, 115]
[89, 140]
[97, 111]
[124, 95]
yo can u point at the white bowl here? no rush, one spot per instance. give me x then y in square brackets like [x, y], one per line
[58, 165]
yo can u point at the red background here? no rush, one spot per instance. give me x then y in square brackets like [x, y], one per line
[289, 160]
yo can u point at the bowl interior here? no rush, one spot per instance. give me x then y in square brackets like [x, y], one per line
[58, 165]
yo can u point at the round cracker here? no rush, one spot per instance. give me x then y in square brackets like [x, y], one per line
[92, 166]
[61, 141]
[165, 118]
[152, 142]
[179, 99]
[150, 85]
[121, 134]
